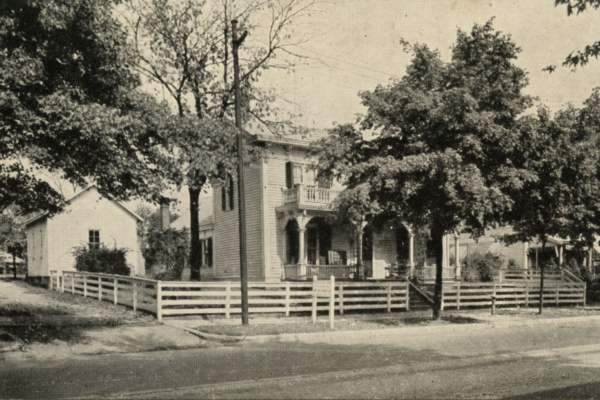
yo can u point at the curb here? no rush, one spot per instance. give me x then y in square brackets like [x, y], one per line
[483, 325]
[213, 336]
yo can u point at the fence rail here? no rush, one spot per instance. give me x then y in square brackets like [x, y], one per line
[201, 298]
[461, 294]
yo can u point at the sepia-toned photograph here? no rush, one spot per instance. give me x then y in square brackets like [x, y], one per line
[300, 199]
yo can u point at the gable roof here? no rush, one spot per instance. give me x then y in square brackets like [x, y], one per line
[78, 194]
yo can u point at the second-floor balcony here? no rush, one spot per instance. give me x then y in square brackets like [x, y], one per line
[310, 196]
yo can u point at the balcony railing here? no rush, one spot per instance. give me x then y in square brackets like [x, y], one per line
[309, 195]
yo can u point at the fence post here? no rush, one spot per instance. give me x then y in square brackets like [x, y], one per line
[73, 283]
[115, 290]
[314, 303]
[134, 287]
[442, 298]
[228, 300]
[287, 299]
[62, 283]
[99, 288]
[458, 295]
[527, 294]
[389, 297]
[331, 301]
[557, 293]
[159, 301]
[494, 296]
[85, 284]
[341, 298]
[407, 295]
[584, 292]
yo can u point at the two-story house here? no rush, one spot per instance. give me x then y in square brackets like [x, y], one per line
[289, 234]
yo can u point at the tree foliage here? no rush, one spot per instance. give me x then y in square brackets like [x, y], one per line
[69, 103]
[579, 57]
[185, 48]
[444, 138]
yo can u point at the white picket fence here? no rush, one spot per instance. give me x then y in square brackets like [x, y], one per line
[461, 294]
[200, 298]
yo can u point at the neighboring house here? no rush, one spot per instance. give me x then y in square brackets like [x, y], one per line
[89, 219]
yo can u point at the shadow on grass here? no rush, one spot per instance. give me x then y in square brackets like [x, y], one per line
[32, 331]
[452, 319]
[26, 310]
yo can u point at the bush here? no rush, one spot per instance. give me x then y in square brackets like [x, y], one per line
[479, 267]
[512, 264]
[101, 260]
[165, 254]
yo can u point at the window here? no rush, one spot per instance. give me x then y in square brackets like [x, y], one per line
[209, 252]
[296, 174]
[324, 182]
[227, 200]
[206, 249]
[94, 239]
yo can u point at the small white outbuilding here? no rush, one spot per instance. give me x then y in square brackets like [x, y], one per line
[89, 218]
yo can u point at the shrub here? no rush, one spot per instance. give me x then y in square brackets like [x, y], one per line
[165, 254]
[101, 260]
[512, 264]
[479, 267]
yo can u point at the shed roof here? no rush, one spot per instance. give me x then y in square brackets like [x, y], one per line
[77, 195]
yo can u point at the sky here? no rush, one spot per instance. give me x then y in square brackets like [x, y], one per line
[356, 46]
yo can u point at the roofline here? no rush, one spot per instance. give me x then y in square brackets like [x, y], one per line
[45, 214]
[285, 141]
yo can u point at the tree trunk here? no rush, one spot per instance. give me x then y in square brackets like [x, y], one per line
[590, 261]
[195, 255]
[542, 268]
[14, 266]
[359, 253]
[437, 237]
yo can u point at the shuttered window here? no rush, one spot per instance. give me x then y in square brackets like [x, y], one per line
[209, 252]
[227, 199]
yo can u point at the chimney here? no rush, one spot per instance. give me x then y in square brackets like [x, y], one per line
[164, 214]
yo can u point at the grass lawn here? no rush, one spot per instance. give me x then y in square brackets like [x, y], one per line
[305, 325]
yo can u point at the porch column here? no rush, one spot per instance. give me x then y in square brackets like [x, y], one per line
[411, 252]
[456, 254]
[526, 255]
[560, 254]
[301, 254]
[446, 244]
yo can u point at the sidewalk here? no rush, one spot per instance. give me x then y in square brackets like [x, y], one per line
[357, 329]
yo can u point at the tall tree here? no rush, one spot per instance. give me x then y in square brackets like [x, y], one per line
[184, 48]
[544, 204]
[69, 104]
[444, 137]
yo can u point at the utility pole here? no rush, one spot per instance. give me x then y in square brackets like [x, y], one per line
[240, 149]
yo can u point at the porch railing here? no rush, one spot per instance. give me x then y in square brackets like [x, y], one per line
[294, 271]
[303, 194]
